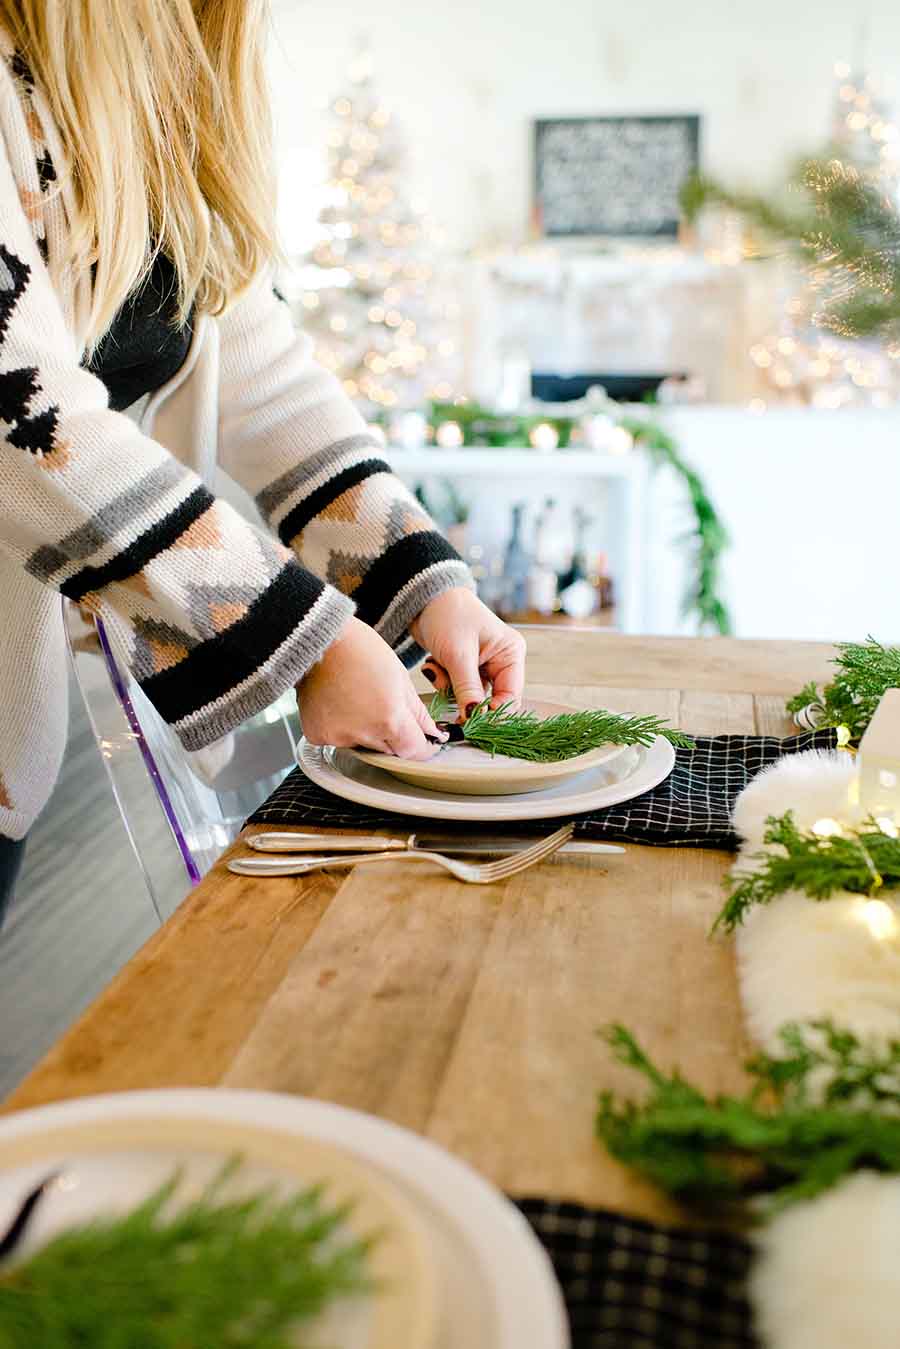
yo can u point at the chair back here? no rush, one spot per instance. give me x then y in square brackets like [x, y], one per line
[180, 809]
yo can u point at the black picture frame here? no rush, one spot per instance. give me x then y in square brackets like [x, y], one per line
[613, 176]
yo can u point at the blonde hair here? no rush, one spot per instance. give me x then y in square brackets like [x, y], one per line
[163, 115]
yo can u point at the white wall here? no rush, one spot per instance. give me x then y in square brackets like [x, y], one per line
[811, 500]
[467, 76]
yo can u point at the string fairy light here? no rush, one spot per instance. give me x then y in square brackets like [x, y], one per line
[370, 293]
[802, 364]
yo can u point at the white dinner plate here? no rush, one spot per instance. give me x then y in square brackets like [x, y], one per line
[467, 771]
[628, 775]
[464, 1270]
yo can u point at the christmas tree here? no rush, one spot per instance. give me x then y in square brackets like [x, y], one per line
[806, 361]
[374, 297]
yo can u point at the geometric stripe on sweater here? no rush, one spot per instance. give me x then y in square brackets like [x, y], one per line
[161, 535]
[212, 667]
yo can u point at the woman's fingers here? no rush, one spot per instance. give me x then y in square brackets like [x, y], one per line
[461, 663]
[424, 720]
[436, 675]
[508, 679]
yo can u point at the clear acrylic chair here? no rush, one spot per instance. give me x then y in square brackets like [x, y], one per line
[179, 809]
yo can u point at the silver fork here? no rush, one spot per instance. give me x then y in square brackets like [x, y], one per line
[473, 874]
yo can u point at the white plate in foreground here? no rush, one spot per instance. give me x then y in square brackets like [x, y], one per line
[628, 775]
[467, 771]
[493, 1286]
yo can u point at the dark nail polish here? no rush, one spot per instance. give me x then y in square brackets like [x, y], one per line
[470, 708]
[433, 740]
[430, 675]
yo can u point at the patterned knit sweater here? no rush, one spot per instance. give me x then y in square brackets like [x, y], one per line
[213, 616]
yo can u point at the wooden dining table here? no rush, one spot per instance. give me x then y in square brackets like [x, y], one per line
[468, 1014]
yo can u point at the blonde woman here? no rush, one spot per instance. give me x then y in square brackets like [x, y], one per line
[136, 250]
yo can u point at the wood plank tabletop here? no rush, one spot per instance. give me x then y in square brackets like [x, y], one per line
[466, 1013]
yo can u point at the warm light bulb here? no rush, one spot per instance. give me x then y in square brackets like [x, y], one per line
[544, 436]
[620, 440]
[879, 918]
[827, 827]
[449, 435]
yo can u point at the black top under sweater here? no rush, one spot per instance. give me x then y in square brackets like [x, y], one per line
[143, 346]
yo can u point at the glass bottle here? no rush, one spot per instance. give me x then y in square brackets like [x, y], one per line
[516, 565]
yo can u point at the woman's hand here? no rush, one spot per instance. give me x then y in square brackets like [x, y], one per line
[474, 646]
[360, 694]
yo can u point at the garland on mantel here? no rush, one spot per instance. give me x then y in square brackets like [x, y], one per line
[706, 540]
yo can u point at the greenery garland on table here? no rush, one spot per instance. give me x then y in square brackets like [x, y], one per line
[708, 539]
[861, 861]
[786, 1139]
[866, 671]
[243, 1272]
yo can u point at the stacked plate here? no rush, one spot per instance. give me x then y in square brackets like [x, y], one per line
[464, 783]
[456, 1266]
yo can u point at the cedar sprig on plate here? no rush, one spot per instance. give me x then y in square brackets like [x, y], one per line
[522, 735]
[250, 1271]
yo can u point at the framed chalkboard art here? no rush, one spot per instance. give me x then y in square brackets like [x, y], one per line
[616, 176]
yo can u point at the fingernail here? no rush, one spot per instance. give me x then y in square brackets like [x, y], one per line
[429, 675]
[470, 708]
[434, 740]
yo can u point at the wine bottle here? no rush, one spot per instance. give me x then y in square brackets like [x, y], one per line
[516, 566]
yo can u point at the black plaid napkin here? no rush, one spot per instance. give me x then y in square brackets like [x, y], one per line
[692, 808]
[629, 1284]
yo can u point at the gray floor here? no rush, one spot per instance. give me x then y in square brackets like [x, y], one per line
[91, 892]
[82, 906]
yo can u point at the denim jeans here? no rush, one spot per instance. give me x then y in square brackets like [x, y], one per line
[12, 851]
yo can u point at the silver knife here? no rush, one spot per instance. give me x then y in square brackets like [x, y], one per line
[486, 845]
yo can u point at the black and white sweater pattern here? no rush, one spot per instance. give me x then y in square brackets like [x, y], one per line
[214, 617]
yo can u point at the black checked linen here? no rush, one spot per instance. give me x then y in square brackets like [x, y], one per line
[630, 1284]
[692, 808]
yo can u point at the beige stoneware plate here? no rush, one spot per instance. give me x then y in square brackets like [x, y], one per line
[466, 771]
[110, 1166]
[492, 1286]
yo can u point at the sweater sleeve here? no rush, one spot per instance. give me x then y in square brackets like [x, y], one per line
[213, 618]
[289, 434]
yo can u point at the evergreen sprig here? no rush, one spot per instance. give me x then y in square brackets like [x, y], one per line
[843, 222]
[242, 1272]
[865, 672]
[523, 735]
[442, 705]
[861, 861]
[824, 1107]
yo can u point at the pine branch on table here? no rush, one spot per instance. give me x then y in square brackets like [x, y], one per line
[786, 1139]
[860, 861]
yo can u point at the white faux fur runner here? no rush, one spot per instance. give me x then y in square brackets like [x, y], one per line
[827, 1274]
